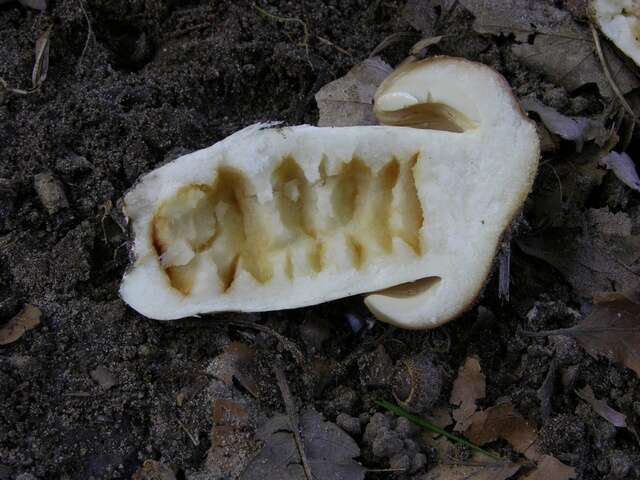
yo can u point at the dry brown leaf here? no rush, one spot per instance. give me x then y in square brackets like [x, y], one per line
[550, 468]
[602, 408]
[502, 421]
[562, 49]
[611, 330]
[236, 361]
[575, 129]
[41, 64]
[594, 255]
[468, 387]
[27, 319]
[232, 439]
[329, 450]
[348, 100]
[440, 417]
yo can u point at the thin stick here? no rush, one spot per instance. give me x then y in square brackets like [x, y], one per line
[326, 41]
[89, 31]
[284, 341]
[193, 439]
[607, 73]
[305, 42]
[292, 413]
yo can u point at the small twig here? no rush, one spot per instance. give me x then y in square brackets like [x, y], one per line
[607, 73]
[382, 470]
[504, 266]
[326, 41]
[292, 413]
[89, 31]
[573, 331]
[284, 341]
[390, 40]
[193, 439]
[305, 41]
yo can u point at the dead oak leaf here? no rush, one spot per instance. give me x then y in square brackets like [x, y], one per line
[468, 387]
[611, 330]
[503, 421]
[588, 260]
[27, 319]
[561, 48]
[348, 100]
[602, 408]
[550, 468]
[329, 450]
[236, 361]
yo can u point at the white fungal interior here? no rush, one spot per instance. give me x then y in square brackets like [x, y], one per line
[620, 21]
[274, 218]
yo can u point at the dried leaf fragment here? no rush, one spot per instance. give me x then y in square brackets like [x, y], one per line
[468, 387]
[232, 439]
[348, 100]
[561, 48]
[236, 361]
[27, 319]
[41, 64]
[503, 421]
[575, 129]
[611, 330]
[602, 408]
[623, 167]
[329, 449]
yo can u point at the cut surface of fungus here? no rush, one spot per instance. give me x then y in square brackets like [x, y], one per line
[275, 218]
[619, 20]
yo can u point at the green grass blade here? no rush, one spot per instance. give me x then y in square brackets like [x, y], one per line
[434, 428]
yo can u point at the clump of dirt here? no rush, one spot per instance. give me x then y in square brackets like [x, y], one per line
[133, 84]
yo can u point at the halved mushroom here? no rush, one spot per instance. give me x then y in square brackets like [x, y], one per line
[276, 218]
[619, 20]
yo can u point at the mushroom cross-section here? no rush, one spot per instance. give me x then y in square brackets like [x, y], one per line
[619, 20]
[276, 218]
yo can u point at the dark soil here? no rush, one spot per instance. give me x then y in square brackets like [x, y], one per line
[162, 77]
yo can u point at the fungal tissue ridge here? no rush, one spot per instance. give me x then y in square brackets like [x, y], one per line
[341, 221]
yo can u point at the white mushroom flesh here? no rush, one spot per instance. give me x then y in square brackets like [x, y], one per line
[277, 218]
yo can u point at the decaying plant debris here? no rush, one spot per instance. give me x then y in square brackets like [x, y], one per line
[546, 381]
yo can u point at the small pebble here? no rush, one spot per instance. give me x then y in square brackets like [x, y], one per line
[387, 444]
[50, 192]
[103, 377]
[348, 423]
[419, 462]
[400, 461]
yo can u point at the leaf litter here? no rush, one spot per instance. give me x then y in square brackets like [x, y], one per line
[611, 330]
[27, 319]
[550, 40]
[602, 408]
[468, 387]
[237, 360]
[348, 100]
